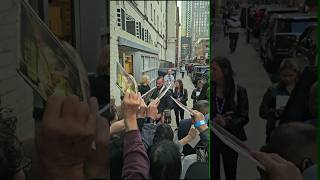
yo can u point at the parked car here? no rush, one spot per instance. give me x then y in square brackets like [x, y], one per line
[307, 45]
[267, 23]
[283, 33]
[197, 73]
[191, 67]
[205, 76]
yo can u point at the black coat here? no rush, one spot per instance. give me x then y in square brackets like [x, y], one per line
[183, 96]
[202, 96]
[143, 89]
[240, 117]
[165, 103]
[297, 108]
[100, 88]
[268, 106]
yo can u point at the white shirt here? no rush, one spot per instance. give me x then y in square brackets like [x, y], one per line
[168, 79]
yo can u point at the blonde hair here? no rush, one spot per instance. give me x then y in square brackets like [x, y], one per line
[144, 79]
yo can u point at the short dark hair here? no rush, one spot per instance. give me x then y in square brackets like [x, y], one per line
[165, 160]
[115, 155]
[293, 141]
[163, 132]
[159, 77]
[201, 106]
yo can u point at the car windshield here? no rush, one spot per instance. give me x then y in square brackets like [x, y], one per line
[294, 26]
[202, 70]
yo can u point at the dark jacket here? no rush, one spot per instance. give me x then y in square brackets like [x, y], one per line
[268, 109]
[100, 88]
[165, 103]
[143, 89]
[183, 96]
[268, 104]
[297, 108]
[240, 108]
[135, 159]
[202, 96]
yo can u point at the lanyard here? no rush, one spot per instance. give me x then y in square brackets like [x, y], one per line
[220, 108]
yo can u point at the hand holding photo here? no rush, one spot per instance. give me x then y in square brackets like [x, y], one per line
[185, 108]
[234, 143]
[126, 82]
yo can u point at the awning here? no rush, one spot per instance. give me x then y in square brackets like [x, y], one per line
[128, 43]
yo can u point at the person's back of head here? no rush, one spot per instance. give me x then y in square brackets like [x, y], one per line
[202, 106]
[198, 170]
[163, 132]
[165, 160]
[115, 155]
[295, 142]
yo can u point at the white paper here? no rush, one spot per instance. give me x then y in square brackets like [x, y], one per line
[164, 92]
[190, 111]
[198, 93]
[281, 101]
[234, 143]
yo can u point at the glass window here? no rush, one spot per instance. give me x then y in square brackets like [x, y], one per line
[142, 59]
[151, 11]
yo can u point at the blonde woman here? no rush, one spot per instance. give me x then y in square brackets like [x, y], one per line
[144, 84]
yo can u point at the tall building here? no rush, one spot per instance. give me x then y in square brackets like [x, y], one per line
[186, 21]
[200, 21]
[140, 36]
[185, 17]
[194, 25]
[177, 36]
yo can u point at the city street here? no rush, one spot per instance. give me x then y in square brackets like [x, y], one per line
[250, 74]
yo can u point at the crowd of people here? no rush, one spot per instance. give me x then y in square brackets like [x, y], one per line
[75, 142]
[291, 142]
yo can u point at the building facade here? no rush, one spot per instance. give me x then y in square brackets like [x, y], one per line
[138, 39]
[194, 25]
[186, 18]
[178, 57]
[202, 48]
[185, 48]
[200, 21]
[172, 39]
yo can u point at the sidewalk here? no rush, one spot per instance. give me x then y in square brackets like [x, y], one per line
[250, 74]
[187, 84]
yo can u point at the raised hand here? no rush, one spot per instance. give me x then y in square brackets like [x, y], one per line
[66, 135]
[152, 110]
[130, 105]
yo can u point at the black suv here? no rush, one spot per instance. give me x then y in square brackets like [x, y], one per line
[270, 14]
[283, 33]
[198, 72]
[307, 45]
